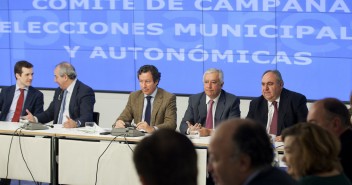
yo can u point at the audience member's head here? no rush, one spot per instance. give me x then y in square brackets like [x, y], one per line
[237, 149]
[213, 80]
[272, 85]
[331, 114]
[166, 157]
[310, 150]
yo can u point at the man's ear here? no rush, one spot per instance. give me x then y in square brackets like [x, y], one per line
[17, 75]
[245, 162]
[336, 123]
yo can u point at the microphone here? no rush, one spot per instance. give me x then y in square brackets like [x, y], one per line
[134, 125]
[129, 124]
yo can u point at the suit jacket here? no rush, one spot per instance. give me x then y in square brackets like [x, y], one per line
[346, 152]
[292, 109]
[163, 113]
[228, 107]
[272, 176]
[34, 101]
[80, 109]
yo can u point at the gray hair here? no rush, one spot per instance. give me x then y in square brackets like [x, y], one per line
[68, 69]
[276, 73]
[214, 70]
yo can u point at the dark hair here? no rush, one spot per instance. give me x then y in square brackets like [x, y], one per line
[335, 107]
[19, 65]
[152, 69]
[68, 69]
[250, 138]
[166, 157]
[277, 74]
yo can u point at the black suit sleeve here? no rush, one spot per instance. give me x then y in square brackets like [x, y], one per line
[302, 110]
[235, 111]
[251, 110]
[85, 106]
[38, 103]
[189, 116]
[49, 114]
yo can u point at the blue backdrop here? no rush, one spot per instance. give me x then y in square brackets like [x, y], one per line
[309, 41]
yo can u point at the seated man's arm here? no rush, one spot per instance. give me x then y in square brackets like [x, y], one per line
[235, 111]
[126, 115]
[170, 117]
[301, 109]
[86, 107]
[38, 103]
[188, 117]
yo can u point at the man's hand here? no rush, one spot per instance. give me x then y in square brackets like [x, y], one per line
[119, 124]
[194, 127]
[203, 132]
[278, 139]
[30, 117]
[144, 126]
[69, 123]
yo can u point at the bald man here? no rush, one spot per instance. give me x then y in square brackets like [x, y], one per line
[241, 154]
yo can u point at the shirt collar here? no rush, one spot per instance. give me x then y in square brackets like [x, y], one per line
[18, 88]
[153, 94]
[271, 103]
[207, 99]
[71, 86]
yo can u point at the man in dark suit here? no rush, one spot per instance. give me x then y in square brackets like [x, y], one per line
[277, 103]
[32, 99]
[160, 112]
[224, 106]
[73, 101]
[332, 115]
[241, 153]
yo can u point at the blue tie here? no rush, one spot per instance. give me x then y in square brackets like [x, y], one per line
[62, 108]
[148, 110]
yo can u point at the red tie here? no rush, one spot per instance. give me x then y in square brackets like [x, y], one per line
[209, 121]
[16, 116]
[273, 125]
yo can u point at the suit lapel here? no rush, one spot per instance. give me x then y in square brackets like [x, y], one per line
[156, 105]
[73, 97]
[57, 99]
[220, 107]
[202, 107]
[282, 109]
[27, 100]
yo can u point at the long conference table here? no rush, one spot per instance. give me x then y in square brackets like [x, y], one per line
[70, 156]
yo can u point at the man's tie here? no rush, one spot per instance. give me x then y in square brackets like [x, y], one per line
[147, 113]
[16, 116]
[209, 120]
[273, 125]
[62, 108]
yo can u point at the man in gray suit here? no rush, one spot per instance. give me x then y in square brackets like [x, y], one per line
[207, 109]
